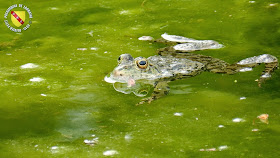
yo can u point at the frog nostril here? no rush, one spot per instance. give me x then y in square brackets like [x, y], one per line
[117, 73]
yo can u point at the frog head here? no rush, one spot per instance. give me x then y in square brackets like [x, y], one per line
[131, 69]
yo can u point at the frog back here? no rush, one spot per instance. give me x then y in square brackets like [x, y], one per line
[172, 67]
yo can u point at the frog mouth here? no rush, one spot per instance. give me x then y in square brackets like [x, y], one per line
[111, 79]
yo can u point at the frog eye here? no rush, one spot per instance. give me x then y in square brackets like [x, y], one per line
[120, 59]
[142, 64]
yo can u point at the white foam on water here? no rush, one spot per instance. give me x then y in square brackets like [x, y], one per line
[272, 5]
[91, 142]
[146, 38]
[223, 147]
[82, 49]
[29, 66]
[110, 152]
[266, 75]
[237, 120]
[178, 114]
[175, 38]
[246, 69]
[124, 12]
[127, 137]
[93, 48]
[36, 79]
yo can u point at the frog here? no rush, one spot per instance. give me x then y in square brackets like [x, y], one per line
[178, 61]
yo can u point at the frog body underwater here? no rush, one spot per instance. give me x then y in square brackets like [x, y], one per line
[176, 62]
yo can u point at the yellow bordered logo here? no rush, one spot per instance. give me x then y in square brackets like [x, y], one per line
[20, 16]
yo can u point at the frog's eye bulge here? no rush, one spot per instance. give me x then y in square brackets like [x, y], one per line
[125, 58]
[142, 64]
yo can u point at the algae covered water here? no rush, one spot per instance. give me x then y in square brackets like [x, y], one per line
[55, 102]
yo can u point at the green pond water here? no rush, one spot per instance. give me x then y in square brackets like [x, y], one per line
[72, 102]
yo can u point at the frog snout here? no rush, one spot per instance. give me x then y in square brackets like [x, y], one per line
[117, 73]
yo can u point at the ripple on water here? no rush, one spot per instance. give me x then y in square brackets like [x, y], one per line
[53, 8]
